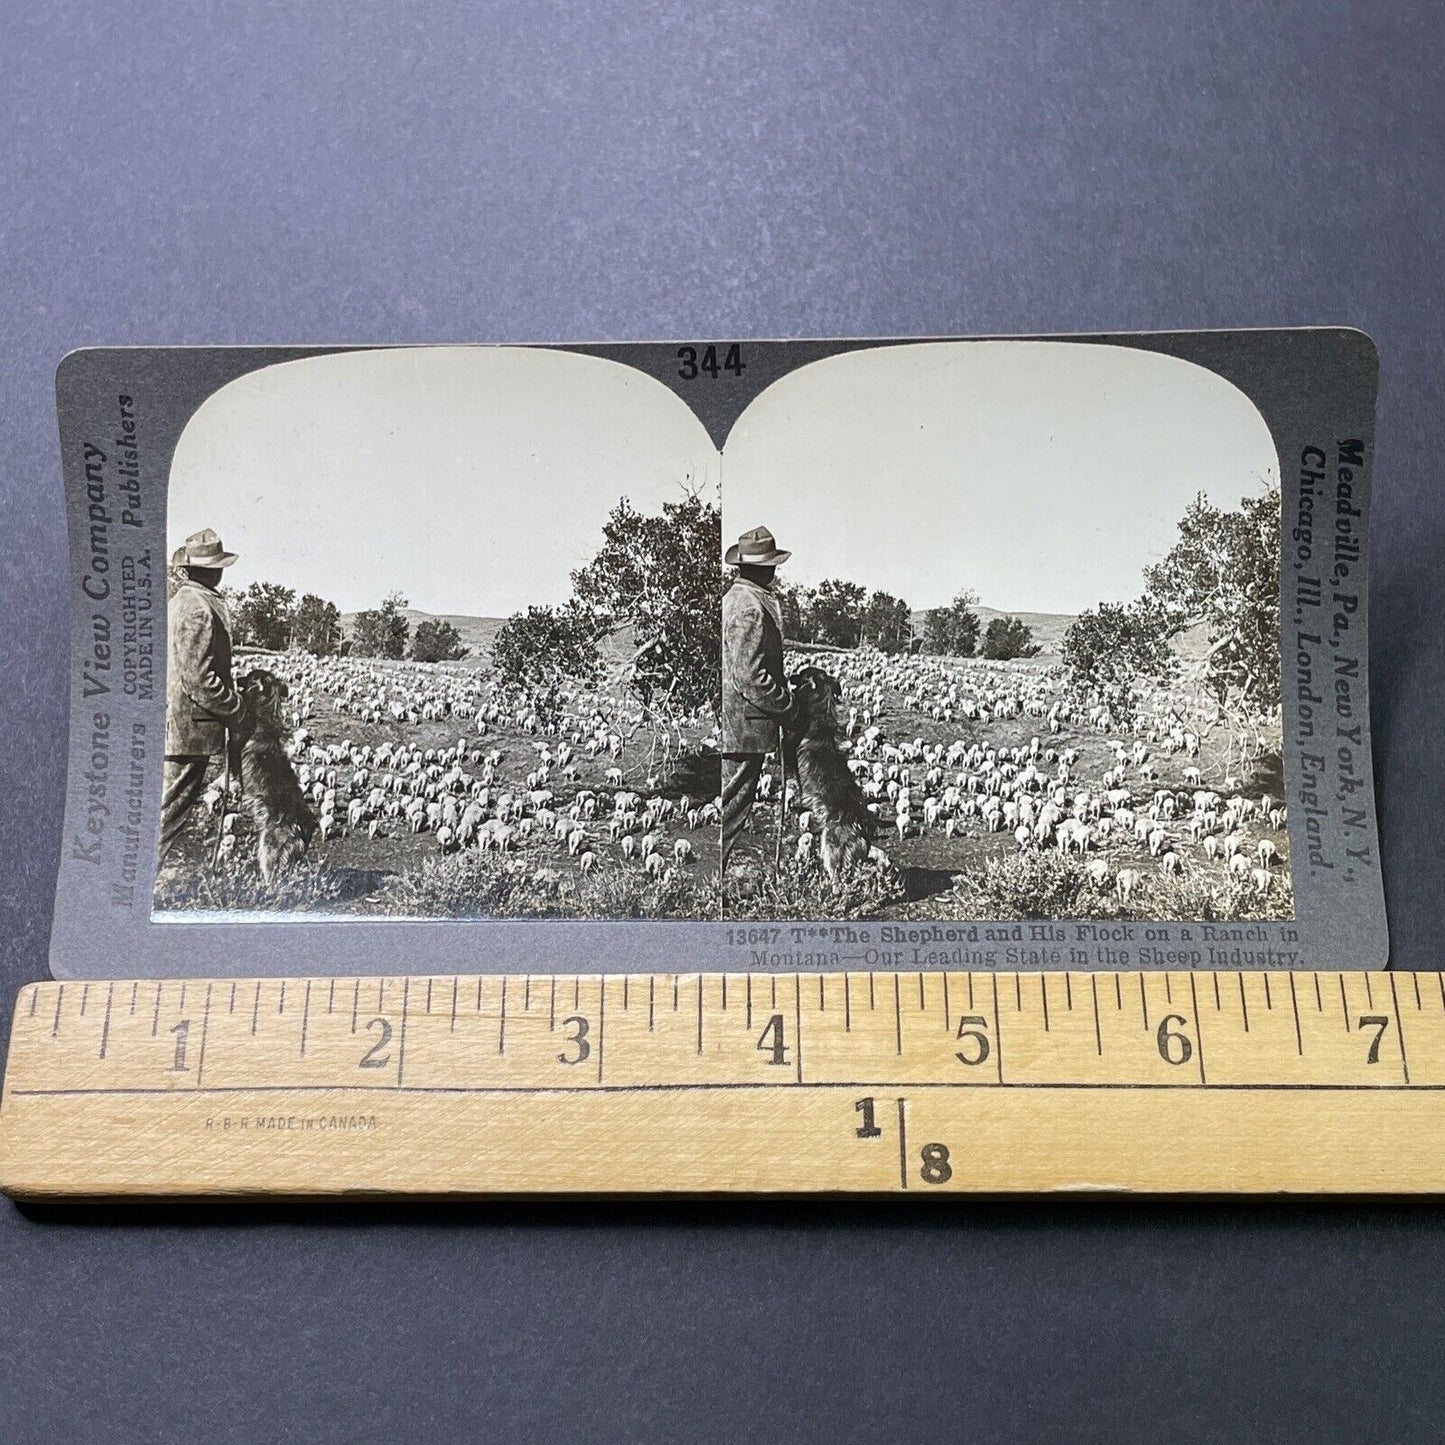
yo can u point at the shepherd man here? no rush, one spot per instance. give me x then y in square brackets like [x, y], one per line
[201, 697]
[757, 700]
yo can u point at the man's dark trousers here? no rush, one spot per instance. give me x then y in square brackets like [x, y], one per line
[184, 781]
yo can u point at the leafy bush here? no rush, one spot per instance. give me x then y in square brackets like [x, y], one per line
[436, 640]
[382, 631]
[236, 886]
[1008, 638]
[1111, 651]
[263, 615]
[493, 885]
[1048, 885]
[797, 890]
[953, 630]
[1022, 885]
[545, 647]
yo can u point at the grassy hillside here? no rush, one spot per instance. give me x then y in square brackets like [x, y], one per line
[478, 634]
[1049, 629]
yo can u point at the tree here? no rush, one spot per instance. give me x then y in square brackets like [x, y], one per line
[316, 626]
[953, 630]
[1223, 572]
[382, 631]
[1008, 638]
[836, 613]
[885, 623]
[796, 604]
[662, 576]
[543, 646]
[659, 576]
[1111, 649]
[262, 616]
[436, 640]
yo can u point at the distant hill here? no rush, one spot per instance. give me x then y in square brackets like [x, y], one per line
[479, 633]
[1049, 629]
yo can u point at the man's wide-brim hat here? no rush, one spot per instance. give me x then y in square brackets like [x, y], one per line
[757, 548]
[202, 549]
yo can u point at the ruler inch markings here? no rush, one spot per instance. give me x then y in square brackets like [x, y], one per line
[205, 1030]
[1399, 1029]
[602, 1020]
[798, 1025]
[105, 1028]
[902, 1144]
[998, 1032]
[1265, 1121]
[401, 1037]
[1198, 1029]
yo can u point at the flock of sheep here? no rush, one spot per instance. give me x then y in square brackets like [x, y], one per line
[964, 759]
[401, 760]
[961, 760]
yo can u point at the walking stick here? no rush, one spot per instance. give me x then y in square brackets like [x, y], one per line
[225, 800]
[782, 803]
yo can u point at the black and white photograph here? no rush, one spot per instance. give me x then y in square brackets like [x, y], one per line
[442, 642]
[750, 638]
[1001, 641]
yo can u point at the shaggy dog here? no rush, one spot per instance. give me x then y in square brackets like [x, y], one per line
[270, 792]
[830, 792]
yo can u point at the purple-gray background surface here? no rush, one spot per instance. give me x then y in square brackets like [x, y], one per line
[265, 172]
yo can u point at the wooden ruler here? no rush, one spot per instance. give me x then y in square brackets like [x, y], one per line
[739, 1083]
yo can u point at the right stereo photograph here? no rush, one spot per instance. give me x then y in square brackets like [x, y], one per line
[1001, 640]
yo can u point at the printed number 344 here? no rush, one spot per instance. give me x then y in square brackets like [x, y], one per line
[695, 363]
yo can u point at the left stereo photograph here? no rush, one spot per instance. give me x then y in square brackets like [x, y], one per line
[443, 642]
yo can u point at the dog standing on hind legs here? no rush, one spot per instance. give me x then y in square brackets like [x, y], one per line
[271, 795]
[830, 792]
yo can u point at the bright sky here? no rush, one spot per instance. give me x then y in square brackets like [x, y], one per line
[1043, 475]
[472, 479]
